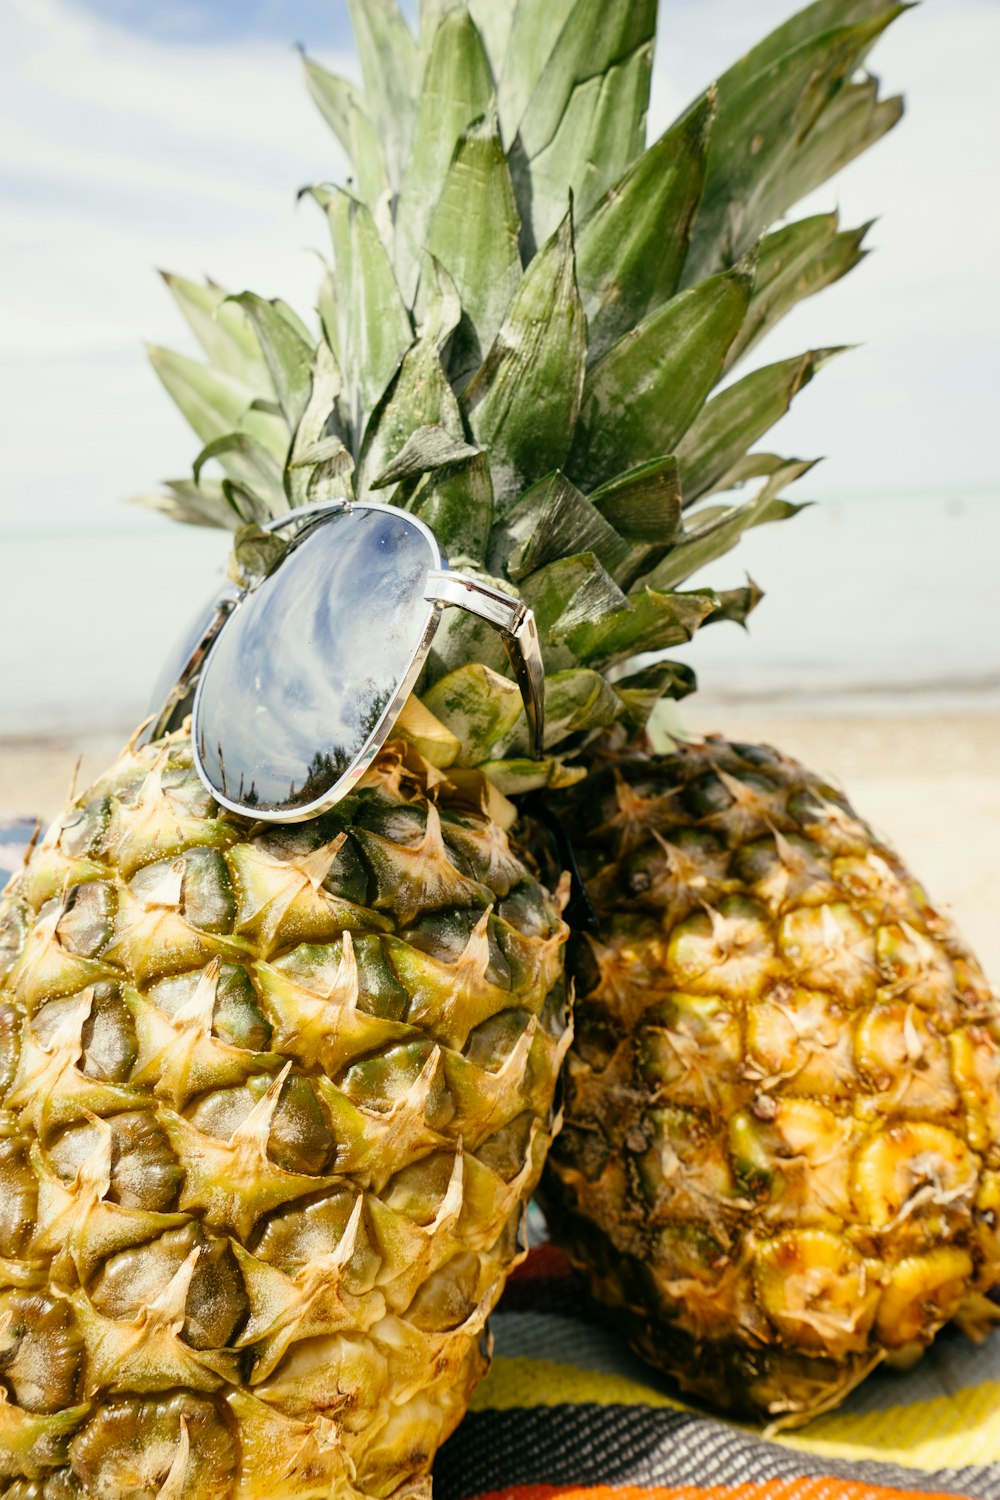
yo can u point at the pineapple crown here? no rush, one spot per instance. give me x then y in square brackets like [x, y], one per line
[526, 317]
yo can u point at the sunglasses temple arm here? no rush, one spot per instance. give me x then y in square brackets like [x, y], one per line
[166, 718]
[525, 656]
[516, 624]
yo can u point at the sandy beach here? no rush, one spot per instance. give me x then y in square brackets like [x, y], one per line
[930, 784]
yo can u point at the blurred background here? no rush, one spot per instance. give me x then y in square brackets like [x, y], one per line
[137, 136]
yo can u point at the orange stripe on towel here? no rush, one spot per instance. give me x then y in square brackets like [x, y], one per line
[815, 1487]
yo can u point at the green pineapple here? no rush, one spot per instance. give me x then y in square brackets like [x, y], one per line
[274, 1101]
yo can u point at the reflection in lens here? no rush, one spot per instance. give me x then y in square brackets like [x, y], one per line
[306, 666]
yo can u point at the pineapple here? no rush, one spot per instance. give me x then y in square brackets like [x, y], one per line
[273, 1103]
[273, 1100]
[781, 1157]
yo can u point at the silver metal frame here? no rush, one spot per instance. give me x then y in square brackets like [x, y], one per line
[225, 602]
[445, 590]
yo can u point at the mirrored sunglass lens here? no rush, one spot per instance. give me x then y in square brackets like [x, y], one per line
[304, 669]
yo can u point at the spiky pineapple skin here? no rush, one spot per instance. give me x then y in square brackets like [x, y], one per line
[273, 1102]
[781, 1147]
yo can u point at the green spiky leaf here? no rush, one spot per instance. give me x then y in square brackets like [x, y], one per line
[418, 401]
[523, 402]
[478, 706]
[794, 263]
[438, 307]
[534, 33]
[644, 506]
[644, 503]
[288, 348]
[726, 428]
[456, 502]
[328, 468]
[518, 776]
[780, 472]
[565, 595]
[716, 533]
[222, 329]
[494, 18]
[856, 119]
[806, 25]
[764, 122]
[417, 425]
[320, 419]
[431, 13]
[652, 620]
[215, 404]
[586, 119]
[257, 552]
[426, 448]
[319, 452]
[473, 233]
[390, 66]
[554, 519]
[640, 692]
[202, 504]
[367, 325]
[342, 108]
[576, 702]
[250, 465]
[735, 605]
[642, 395]
[631, 248]
[457, 89]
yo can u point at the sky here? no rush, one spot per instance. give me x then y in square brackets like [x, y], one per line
[136, 135]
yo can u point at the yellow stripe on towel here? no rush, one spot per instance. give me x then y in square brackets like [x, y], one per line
[543, 1382]
[947, 1432]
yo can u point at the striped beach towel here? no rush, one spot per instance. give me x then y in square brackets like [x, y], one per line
[568, 1411]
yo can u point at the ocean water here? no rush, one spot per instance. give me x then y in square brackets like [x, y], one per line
[876, 605]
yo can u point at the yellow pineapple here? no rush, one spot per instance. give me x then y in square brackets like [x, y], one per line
[780, 1158]
[274, 1100]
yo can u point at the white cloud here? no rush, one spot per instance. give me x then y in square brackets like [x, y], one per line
[95, 75]
[117, 155]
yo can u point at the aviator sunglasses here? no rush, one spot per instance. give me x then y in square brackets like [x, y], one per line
[299, 679]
